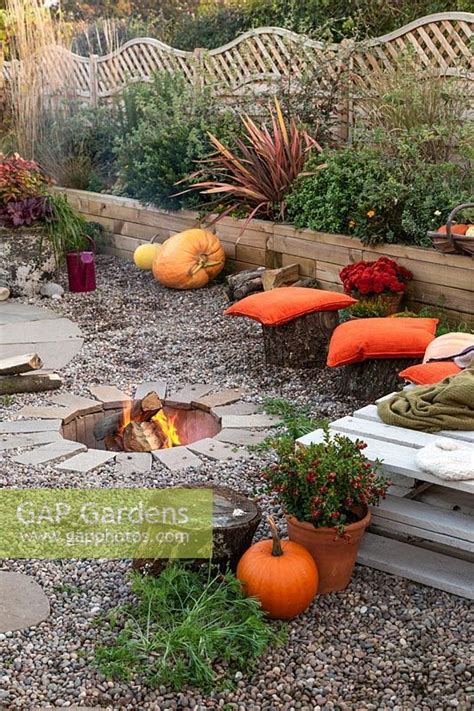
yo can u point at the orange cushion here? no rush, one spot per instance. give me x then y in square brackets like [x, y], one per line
[364, 338]
[429, 373]
[277, 306]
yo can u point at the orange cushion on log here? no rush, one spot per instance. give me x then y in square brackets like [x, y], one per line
[277, 306]
[366, 338]
[429, 373]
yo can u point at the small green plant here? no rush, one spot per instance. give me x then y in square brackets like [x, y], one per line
[323, 483]
[7, 400]
[295, 420]
[180, 625]
[67, 231]
[374, 308]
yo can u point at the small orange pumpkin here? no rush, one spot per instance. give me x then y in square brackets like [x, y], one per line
[455, 229]
[282, 575]
[189, 260]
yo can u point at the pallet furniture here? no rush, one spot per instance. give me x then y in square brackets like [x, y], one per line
[411, 535]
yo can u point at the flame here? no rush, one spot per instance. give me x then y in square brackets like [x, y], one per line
[168, 428]
[126, 415]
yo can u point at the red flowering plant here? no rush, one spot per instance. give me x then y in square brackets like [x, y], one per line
[23, 192]
[382, 277]
[325, 483]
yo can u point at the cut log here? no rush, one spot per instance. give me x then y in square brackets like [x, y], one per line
[141, 437]
[20, 364]
[273, 278]
[12, 384]
[142, 411]
[244, 283]
[149, 405]
[4, 293]
[235, 520]
[301, 343]
[371, 379]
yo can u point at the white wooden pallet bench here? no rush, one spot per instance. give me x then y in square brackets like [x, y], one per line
[427, 543]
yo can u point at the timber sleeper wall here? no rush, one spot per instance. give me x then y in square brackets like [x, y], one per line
[438, 278]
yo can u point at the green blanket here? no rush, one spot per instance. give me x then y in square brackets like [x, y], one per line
[448, 405]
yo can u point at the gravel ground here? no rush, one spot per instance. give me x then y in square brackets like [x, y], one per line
[384, 643]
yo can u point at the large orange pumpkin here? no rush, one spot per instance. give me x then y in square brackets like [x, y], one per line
[282, 575]
[189, 260]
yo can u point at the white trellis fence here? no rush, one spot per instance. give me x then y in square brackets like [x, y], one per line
[441, 42]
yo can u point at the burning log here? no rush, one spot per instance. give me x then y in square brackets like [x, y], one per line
[141, 437]
[140, 411]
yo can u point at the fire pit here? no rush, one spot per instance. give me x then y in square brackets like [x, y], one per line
[144, 425]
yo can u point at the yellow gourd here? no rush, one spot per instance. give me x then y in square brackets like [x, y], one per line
[144, 255]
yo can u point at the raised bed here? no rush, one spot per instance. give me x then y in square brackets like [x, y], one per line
[437, 277]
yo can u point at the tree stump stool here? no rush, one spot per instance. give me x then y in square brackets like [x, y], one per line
[302, 342]
[235, 519]
[371, 379]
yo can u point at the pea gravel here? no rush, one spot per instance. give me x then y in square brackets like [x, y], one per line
[384, 643]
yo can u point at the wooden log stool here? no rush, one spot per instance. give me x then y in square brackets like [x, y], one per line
[371, 379]
[297, 323]
[302, 342]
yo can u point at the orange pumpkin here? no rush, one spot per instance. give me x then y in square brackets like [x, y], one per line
[282, 575]
[189, 260]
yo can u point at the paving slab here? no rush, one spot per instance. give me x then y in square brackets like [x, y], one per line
[186, 395]
[177, 458]
[28, 439]
[248, 421]
[82, 405]
[237, 408]
[22, 602]
[223, 397]
[46, 413]
[50, 452]
[220, 451]
[153, 386]
[87, 461]
[110, 396]
[133, 462]
[20, 426]
[245, 437]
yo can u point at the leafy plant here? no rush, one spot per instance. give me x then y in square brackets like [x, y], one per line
[322, 483]
[295, 420]
[378, 197]
[25, 212]
[255, 175]
[446, 324]
[66, 230]
[20, 179]
[370, 308]
[165, 132]
[180, 625]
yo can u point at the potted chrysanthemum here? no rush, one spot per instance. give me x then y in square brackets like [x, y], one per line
[378, 286]
[326, 490]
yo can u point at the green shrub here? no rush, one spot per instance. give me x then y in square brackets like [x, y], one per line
[168, 132]
[180, 626]
[377, 197]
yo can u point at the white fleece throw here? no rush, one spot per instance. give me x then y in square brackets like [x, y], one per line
[451, 460]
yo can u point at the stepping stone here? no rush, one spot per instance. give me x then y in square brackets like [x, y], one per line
[219, 451]
[65, 414]
[30, 439]
[133, 462]
[177, 458]
[55, 355]
[50, 452]
[183, 398]
[247, 437]
[39, 332]
[110, 396]
[14, 312]
[223, 397]
[21, 426]
[238, 408]
[22, 602]
[87, 461]
[246, 421]
[154, 386]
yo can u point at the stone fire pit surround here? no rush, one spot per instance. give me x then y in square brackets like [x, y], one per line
[63, 433]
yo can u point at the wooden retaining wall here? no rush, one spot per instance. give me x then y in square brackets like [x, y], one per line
[438, 278]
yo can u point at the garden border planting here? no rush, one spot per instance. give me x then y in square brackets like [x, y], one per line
[438, 278]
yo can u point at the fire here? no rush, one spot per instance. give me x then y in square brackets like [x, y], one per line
[126, 415]
[168, 428]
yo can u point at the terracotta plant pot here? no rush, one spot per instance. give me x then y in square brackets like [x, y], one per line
[335, 556]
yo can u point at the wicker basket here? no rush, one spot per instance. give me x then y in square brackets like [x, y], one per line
[449, 242]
